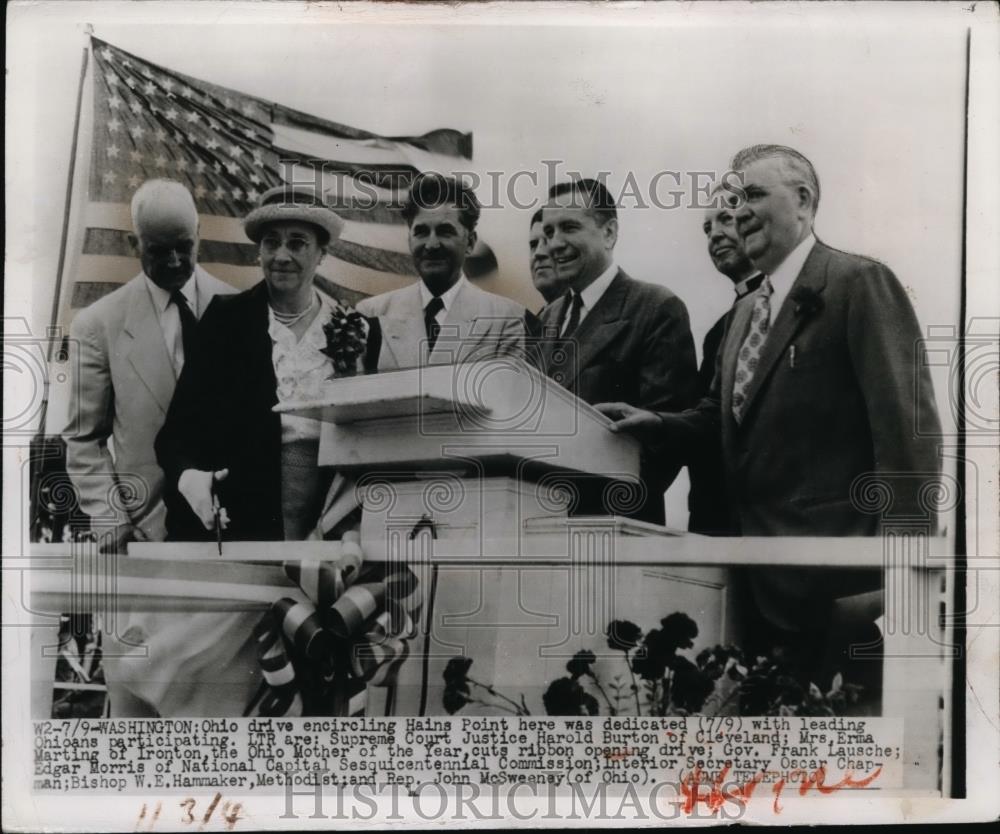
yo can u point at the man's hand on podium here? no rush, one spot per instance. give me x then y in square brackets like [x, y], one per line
[645, 425]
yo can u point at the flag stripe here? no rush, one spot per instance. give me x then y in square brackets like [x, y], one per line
[114, 243]
[389, 177]
[352, 284]
[367, 256]
[314, 145]
[338, 187]
[442, 141]
[377, 154]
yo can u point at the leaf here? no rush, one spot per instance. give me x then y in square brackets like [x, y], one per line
[836, 685]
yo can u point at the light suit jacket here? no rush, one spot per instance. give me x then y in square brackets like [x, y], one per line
[479, 325]
[124, 381]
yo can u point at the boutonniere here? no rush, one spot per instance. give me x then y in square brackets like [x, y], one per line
[807, 302]
[346, 340]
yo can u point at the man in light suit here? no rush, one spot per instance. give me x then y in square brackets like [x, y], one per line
[819, 388]
[443, 318]
[620, 339]
[131, 347]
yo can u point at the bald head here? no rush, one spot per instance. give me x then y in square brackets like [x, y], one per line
[166, 232]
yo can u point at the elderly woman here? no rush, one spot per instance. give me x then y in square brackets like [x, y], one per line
[222, 445]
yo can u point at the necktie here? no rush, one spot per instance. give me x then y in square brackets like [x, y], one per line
[434, 306]
[188, 322]
[749, 355]
[573, 320]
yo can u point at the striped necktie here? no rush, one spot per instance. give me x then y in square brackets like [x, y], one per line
[749, 355]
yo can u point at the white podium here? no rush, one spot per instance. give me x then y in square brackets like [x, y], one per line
[468, 473]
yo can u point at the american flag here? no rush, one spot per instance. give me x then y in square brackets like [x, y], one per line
[228, 148]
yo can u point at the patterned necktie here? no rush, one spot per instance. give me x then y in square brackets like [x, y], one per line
[573, 321]
[188, 322]
[434, 306]
[749, 355]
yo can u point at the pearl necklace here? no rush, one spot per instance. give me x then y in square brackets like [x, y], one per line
[288, 319]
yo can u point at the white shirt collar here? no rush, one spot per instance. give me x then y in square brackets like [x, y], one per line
[161, 297]
[593, 292]
[446, 297]
[788, 270]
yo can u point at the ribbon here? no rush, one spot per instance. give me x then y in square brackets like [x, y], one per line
[319, 654]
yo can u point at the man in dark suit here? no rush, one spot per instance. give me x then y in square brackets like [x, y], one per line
[709, 509]
[543, 271]
[819, 388]
[621, 339]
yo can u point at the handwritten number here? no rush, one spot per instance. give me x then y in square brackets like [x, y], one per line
[231, 813]
[189, 803]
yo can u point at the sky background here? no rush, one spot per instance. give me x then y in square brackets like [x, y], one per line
[873, 97]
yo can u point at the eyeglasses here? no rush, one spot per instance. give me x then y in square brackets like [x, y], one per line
[294, 245]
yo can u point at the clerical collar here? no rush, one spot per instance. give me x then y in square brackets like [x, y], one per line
[748, 285]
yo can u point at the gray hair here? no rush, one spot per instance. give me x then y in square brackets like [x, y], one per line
[800, 168]
[161, 196]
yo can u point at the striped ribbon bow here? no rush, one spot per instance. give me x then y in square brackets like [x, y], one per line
[319, 654]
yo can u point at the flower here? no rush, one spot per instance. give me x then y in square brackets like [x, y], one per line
[346, 340]
[457, 670]
[690, 686]
[807, 301]
[580, 663]
[650, 662]
[566, 697]
[623, 635]
[679, 631]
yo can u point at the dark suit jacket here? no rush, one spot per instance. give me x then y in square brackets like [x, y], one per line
[635, 346]
[709, 510]
[849, 404]
[847, 407]
[221, 417]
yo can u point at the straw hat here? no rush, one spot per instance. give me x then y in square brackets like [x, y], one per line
[292, 204]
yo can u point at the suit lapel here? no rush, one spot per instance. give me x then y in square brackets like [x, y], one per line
[602, 324]
[258, 349]
[787, 323]
[403, 343]
[146, 350]
[551, 316]
[456, 339]
[403, 334]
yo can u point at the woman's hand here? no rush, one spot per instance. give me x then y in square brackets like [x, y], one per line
[198, 489]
